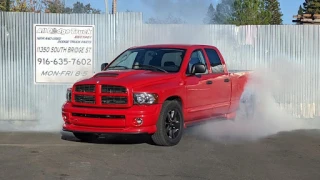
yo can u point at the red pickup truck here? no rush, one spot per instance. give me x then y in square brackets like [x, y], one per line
[156, 89]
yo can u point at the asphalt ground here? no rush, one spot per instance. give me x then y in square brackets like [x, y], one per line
[44, 156]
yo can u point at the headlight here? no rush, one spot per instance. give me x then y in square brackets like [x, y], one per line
[145, 98]
[68, 95]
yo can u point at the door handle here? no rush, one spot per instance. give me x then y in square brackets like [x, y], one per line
[226, 80]
[209, 82]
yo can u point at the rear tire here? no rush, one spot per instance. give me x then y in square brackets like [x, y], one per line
[170, 125]
[86, 137]
[247, 106]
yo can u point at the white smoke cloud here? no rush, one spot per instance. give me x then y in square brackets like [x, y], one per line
[267, 84]
[192, 11]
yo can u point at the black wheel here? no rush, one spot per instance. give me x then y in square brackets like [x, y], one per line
[170, 125]
[86, 137]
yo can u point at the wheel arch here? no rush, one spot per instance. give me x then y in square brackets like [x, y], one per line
[176, 98]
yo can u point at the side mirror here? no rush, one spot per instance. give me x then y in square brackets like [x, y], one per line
[104, 65]
[198, 68]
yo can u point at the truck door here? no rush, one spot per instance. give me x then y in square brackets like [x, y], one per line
[221, 89]
[198, 89]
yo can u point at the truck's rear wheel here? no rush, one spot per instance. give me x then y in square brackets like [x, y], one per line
[169, 125]
[86, 137]
[247, 106]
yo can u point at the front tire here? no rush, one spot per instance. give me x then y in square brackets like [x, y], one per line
[86, 137]
[170, 125]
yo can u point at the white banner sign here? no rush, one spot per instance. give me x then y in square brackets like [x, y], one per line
[63, 53]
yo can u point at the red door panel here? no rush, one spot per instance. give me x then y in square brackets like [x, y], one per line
[199, 104]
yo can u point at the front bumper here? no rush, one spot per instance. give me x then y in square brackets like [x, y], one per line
[108, 120]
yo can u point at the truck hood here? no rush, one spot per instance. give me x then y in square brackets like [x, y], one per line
[128, 78]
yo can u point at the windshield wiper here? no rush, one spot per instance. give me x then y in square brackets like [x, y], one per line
[118, 67]
[151, 67]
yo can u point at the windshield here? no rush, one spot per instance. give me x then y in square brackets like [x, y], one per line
[157, 59]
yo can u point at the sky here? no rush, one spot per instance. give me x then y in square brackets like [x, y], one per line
[289, 8]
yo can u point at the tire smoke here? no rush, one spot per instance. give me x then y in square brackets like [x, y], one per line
[266, 85]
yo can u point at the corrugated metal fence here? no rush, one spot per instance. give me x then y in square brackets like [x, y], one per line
[245, 47]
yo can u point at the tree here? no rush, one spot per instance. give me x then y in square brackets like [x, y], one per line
[8, 2]
[209, 19]
[273, 7]
[3, 5]
[224, 11]
[58, 6]
[300, 11]
[80, 8]
[250, 12]
[221, 14]
[21, 5]
[54, 6]
[25, 6]
[311, 7]
[48, 6]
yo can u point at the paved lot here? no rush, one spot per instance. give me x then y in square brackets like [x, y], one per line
[288, 155]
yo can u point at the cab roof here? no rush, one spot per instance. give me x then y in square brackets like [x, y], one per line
[182, 46]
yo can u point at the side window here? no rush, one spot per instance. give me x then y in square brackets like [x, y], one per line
[215, 62]
[196, 57]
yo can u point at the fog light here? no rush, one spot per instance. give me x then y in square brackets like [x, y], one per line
[138, 121]
[65, 118]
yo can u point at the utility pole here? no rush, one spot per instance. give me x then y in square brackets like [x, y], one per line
[114, 6]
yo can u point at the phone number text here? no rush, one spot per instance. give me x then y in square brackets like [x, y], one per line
[64, 61]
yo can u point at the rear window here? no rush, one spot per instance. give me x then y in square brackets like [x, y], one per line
[213, 57]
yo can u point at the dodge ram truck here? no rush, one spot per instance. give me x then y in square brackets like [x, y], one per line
[157, 90]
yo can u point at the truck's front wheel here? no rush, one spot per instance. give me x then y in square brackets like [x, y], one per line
[169, 125]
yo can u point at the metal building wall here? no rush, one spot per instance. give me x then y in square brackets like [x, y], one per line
[245, 47]
[20, 99]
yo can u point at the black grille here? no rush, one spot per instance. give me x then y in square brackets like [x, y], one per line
[113, 89]
[99, 116]
[114, 100]
[85, 88]
[85, 99]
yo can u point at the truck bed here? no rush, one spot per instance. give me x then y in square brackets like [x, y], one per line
[238, 71]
